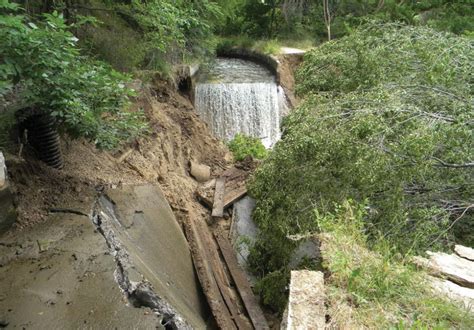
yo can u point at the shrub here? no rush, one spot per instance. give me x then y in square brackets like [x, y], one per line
[387, 117]
[243, 146]
[86, 97]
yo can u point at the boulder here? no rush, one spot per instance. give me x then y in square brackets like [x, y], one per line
[200, 172]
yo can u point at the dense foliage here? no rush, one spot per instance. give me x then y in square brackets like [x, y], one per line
[305, 19]
[387, 117]
[243, 146]
[41, 60]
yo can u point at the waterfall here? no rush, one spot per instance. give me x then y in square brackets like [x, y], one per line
[248, 102]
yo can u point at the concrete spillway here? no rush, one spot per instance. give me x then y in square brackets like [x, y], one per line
[237, 96]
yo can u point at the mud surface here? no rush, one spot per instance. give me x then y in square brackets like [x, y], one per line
[60, 274]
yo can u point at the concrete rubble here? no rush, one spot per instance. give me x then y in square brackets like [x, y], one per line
[306, 305]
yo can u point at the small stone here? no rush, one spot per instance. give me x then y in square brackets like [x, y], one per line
[3, 323]
[59, 291]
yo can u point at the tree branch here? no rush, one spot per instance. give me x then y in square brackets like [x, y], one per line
[444, 164]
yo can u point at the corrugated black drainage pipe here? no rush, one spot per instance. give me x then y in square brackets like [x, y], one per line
[43, 136]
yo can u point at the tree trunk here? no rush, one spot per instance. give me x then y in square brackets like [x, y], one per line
[327, 17]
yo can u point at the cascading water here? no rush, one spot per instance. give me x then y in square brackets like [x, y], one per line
[238, 96]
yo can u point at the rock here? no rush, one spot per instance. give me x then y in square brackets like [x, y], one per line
[7, 210]
[43, 245]
[454, 292]
[200, 172]
[450, 266]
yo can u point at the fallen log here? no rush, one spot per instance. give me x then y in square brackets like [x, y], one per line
[451, 266]
[464, 252]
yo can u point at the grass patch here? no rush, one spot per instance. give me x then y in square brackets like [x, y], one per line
[373, 288]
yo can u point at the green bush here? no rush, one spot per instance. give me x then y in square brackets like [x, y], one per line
[86, 97]
[387, 117]
[243, 146]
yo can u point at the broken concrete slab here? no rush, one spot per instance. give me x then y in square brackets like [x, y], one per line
[308, 249]
[244, 231]
[70, 285]
[200, 172]
[7, 209]
[138, 221]
[306, 304]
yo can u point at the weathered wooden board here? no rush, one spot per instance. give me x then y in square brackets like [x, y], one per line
[199, 243]
[241, 282]
[451, 266]
[218, 206]
[235, 188]
[230, 196]
[464, 252]
[224, 288]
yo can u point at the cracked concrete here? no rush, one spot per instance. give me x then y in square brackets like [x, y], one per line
[127, 266]
[70, 285]
[154, 265]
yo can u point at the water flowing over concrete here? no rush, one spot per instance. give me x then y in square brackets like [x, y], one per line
[239, 96]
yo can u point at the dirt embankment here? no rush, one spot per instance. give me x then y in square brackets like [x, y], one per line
[177, 135]
[288, 64]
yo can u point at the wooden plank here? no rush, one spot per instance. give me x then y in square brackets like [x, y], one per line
[199, 243]
[232, 196]
[224, 287]
[451, 266]
[464, 252]
[218, 206]
[241, 282]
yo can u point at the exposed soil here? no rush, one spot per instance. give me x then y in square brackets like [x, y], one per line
[177, 136]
